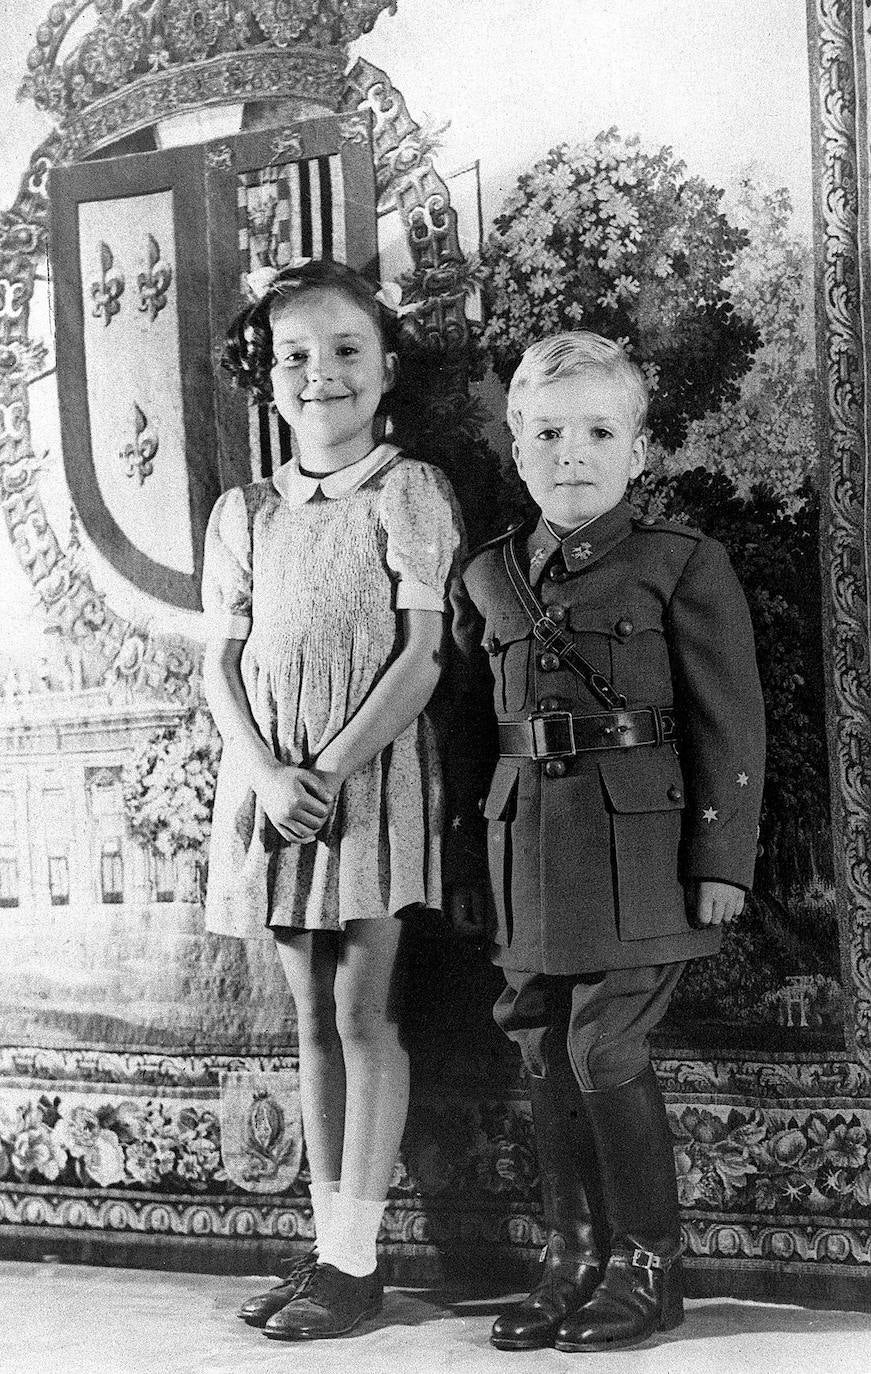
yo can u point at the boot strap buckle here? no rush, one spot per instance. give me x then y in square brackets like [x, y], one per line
[645, 1259]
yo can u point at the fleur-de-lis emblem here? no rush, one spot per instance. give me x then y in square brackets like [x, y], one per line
[154, 280]
[138, 457]
[108, 287]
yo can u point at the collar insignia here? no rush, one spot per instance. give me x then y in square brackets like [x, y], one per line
[579, 553]
[539, 556]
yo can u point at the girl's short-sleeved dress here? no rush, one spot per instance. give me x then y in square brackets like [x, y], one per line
[312, 573]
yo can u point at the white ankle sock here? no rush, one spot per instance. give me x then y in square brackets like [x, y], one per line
[354, 1224]
[322, 1194]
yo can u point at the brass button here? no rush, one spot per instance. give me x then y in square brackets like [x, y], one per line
[674, 794]
[548, 663]
[555, 768]
[624, 628]
[555, 573]
[550, 704]
[557, 614]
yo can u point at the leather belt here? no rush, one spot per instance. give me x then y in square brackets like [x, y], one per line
[560, 735]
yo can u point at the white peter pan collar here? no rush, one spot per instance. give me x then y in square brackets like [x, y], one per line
[298, 487]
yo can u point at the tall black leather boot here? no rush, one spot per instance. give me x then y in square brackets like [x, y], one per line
[572, 1260]
[641, 1292]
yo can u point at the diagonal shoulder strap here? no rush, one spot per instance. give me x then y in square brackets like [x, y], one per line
[551, 637]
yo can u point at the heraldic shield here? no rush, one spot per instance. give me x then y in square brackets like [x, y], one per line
[149, 254]
[261, 1129]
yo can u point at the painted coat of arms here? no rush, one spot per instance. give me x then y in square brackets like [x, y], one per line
[148, 256]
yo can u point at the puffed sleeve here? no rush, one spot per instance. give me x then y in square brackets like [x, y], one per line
[425, 536]
[227, 568]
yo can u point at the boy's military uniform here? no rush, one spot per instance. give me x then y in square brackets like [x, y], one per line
[630, 766]
[589, 850]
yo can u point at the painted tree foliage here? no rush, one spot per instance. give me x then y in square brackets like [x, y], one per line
[766, 435]
[608, 237]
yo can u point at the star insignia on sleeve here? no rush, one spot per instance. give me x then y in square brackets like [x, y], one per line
[457, 823]
[580, 553]
[742, 779]
[709, 814]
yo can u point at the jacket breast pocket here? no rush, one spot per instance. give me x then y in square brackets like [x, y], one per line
[644, 794]
[500, 809]
[626, 641]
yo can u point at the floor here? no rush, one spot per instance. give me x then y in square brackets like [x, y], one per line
[66, 1319]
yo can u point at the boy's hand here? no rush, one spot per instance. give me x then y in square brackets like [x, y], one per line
[717, 903]
[466, 910]
[296, 800]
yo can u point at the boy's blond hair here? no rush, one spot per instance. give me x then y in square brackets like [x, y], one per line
[567, 354]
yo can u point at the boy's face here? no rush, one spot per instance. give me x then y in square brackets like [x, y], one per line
[578, 450]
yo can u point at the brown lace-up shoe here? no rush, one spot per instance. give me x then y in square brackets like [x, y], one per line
[332, 1303]
[257, 1310]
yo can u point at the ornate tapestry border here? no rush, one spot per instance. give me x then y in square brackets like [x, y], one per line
[837, 51]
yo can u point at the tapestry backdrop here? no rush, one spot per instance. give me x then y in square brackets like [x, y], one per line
[147, 1070]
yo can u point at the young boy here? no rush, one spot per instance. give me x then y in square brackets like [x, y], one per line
[622, 824]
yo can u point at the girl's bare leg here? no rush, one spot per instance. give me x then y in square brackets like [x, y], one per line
[367, 997]
[309, 959]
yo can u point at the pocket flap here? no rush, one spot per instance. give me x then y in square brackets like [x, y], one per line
[643, 780]
[506, 624]
[616, 624]
[503, 791]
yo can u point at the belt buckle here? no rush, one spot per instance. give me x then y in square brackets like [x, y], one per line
[645, 1259]
[542, 724]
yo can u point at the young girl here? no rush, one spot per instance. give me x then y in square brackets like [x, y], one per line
[324, 589]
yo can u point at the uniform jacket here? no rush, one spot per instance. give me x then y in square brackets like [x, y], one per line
[588, 869]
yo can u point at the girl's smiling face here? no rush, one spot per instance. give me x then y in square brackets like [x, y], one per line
[329, 373]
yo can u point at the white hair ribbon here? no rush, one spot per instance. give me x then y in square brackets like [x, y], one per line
[390, 296]
[259, 281]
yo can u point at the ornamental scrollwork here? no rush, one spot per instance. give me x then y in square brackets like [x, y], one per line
[406, 178]
[149, 37]
[844, 540]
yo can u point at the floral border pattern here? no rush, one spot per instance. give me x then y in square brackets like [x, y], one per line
[785, 1185]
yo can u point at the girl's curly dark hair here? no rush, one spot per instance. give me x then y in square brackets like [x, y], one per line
[247, 353]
